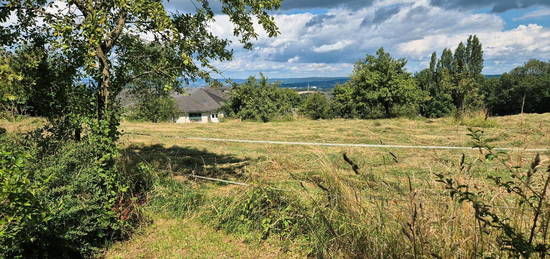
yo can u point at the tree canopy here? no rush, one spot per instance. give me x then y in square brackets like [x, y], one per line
[524, 89]
[260, 100]
[454, 81]
[381, 81]
[110, 36]
[317, 106]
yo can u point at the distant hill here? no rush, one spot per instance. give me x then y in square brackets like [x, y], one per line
[321, 83]
[313, 82]
[295, 83]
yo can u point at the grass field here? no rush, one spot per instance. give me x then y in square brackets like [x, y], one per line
[390, 182]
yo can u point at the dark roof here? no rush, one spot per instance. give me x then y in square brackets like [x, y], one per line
[201, 100]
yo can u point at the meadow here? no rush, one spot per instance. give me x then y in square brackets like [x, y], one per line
[303, 201]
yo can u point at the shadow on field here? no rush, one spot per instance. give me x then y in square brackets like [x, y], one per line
[184, 160]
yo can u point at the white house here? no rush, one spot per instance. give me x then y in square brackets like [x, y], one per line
[201, 106]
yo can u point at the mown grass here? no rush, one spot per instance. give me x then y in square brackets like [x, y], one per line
[372, 213]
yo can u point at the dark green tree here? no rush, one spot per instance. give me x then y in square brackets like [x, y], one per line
[343, 105]
[524, 89]
[260, 100]
[459, 60]
[382, 81]
[474, 52]
[317, 106]
[445, 62]
[454, 81]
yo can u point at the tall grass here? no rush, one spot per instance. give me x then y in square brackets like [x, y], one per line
[478, 119]
[478, 211]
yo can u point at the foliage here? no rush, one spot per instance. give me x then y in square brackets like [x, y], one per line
[21, 210]
[317, 106]
[528, 188]
[63, 201]
[153, 106]
[260, 100]
[13, 91]
[381, 81]
[453, 82]
[343, 105]
[524, 89]
[436, 83]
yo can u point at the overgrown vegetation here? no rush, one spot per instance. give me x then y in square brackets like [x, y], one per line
[60, 201]
[527, 189]
[64, 193]
[260, 100]
[339, 214]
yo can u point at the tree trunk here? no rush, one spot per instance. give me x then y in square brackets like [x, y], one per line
[523, 103]
[387, 108]
[103, 102]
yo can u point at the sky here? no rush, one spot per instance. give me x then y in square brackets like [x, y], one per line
[324, 38]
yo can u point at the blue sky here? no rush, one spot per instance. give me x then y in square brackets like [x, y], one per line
[325, 37]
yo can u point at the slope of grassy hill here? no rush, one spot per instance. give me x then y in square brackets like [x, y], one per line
[308, 201]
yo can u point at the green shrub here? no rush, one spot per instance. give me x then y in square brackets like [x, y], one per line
[260, 101]
[317, 106]
[71, 201]
[21, 213]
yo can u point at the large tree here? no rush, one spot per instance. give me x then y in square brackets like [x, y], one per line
[454, 81]
[108, 30]
[524, 89]
[382, 81]
[260, 100]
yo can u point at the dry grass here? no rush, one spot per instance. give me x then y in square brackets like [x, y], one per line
[386, 202]
[187, 238]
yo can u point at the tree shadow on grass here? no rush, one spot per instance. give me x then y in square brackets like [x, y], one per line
[185, 160]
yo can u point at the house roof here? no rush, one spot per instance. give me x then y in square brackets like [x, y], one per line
[201, 100]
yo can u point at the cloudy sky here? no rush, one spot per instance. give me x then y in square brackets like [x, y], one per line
[325, 37]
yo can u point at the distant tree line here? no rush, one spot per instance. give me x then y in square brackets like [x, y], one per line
[36, 82]
[380, 87]
[524, 89]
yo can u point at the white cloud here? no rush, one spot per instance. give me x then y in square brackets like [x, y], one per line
[534, 14]
[331, 42]
[294, 59]
[333, 47]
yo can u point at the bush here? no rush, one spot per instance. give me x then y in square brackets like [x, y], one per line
[260, 101]
[317, 106]
[21, 212]
[65, 203]
[154, 108]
